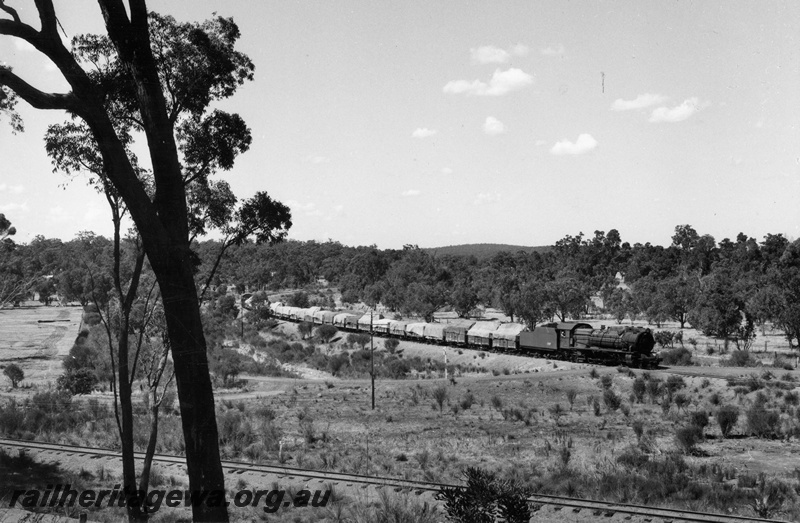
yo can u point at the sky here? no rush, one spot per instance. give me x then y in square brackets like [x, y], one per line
[443, 123]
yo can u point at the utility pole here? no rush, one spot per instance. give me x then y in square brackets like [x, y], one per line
[241, 311]
[372, 359]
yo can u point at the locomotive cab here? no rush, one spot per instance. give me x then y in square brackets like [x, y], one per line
[552, 339]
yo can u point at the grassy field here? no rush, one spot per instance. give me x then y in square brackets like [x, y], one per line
[556, 427]
[37, 338]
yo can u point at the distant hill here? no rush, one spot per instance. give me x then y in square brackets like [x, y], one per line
[482, 250]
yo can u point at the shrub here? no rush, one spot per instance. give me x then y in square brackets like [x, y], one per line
[761, 422]
[596, 407]
[497, 403]
[391, 344]
[398, 369]
[80, 381]
[556, 411]
[638, 429]
[485, 497]
[467, 401]
[326, 332]
[14, 373]
[593, 373]
[770, 497]
[791, 398]
[606, 381]
[335, 363]
[571, 395]
[440, 396]
[687, 438]
[679, 356]
[305, 328]
[611, 400]
[639, 387]
[699, 419]
[654, 390]
[664, 338]
[727, 416]
[299, 299]
[739, 358]
[674, 383]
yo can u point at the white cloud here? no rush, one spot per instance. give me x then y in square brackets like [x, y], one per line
[492, 126]
[447, 170]
[502, 82]
[554, 51]
[520, 50]
[13, 189]
[308, 209]
[14, 207]
[640, 102]
[93, 212]
[487, 197]
[678, 113]
[411, 192]
[539, 143]
[423, 132]
[489, 54]
[583, 144]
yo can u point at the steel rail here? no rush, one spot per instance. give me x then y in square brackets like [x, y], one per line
[606, 508]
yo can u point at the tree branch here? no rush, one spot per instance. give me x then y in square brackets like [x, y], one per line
[10, 10]
[47, 16]
[38, 99]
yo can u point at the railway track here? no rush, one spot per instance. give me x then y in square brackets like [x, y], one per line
[354, 481]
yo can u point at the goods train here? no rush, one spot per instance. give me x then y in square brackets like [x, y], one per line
[571, 340]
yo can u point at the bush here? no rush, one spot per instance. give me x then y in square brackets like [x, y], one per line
[440, 396]
[305, 328]
[486, 497]
[699, 419]
[761, 422]
[467, 401]
[606, 381]
[739, 358]
[335, 363]
[639, 387]
[80, 381]
[299, 299]
[687, 438]
[326, 332]
[654, 390]
[391, 344]
[664, 338]
[727, 416]
[612, 401]
[571, 395]
[14, 373]
[679, 356]
[675, 383]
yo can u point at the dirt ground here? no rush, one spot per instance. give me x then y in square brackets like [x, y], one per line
[37, 338]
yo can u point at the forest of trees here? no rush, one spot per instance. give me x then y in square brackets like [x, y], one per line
[727, 289]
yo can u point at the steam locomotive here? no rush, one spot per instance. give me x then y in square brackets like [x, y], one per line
[570, 341]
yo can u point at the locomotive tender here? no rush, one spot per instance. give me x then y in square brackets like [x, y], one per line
[571, 341]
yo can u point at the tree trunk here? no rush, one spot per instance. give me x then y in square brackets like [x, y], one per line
[151, 448]
[134, 503]
[198, 418]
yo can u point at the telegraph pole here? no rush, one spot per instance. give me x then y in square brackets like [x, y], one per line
[372, 359]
